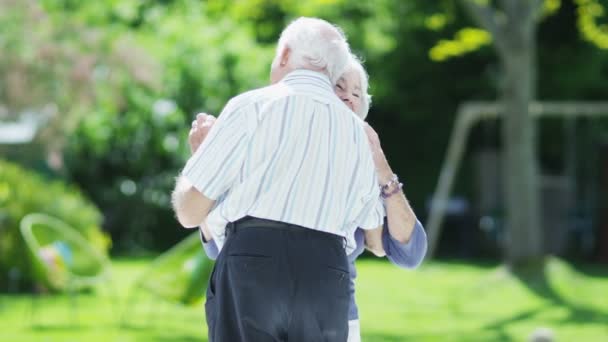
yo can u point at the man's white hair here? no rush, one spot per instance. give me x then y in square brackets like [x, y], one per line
[356, 65]
[316, 44]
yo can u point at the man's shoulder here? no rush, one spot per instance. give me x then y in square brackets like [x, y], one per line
[279, 91]
[257, 96]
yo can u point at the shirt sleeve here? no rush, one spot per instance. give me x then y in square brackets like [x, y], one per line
[409, 254]
[372, 214]
[215, 165]
[210, 248]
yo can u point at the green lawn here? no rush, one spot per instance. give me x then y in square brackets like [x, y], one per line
[440, 301]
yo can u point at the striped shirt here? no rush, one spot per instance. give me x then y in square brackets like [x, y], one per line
[290, 152]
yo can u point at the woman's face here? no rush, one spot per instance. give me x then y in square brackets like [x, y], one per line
[348, 89]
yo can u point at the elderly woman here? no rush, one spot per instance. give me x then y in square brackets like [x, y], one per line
[402, 239]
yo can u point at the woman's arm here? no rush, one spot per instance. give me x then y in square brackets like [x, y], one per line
[401, 219]
[409, 254]
[400, 216]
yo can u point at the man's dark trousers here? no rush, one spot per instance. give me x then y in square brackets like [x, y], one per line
[275, 281]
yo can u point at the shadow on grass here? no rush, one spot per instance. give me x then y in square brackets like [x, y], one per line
[479, 263]
[439, 336]
[177, 337]
[42, 327]
[388, 338]
[536, 279]
[151, 333]
[538, 283]
[594, 270]
[163, 334]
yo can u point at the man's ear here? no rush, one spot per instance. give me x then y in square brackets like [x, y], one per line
[285, 54]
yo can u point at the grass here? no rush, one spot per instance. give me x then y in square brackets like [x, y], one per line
[441, 301]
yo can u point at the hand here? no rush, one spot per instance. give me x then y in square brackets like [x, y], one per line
[384, 170]
[200, 128]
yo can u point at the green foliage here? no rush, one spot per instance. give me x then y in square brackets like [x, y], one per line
[589, 13]
[150, 66]
[436, 21]
[550, 7]
[48, 67]
[467, 39]
[23, 192]
[126, 158]
[131, 143]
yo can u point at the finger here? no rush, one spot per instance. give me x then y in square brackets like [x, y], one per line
[200, 119]
[210, 120]
[196, 129]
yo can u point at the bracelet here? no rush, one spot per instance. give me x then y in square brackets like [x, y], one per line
[396, 190]
[394, 180]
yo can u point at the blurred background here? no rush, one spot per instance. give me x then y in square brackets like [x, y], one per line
[492, 113]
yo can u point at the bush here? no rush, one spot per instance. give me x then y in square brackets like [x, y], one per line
[23, 192]
[125, 160]
[127, 150]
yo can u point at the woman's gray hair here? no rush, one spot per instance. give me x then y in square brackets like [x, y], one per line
[356, 65]
[316, 44]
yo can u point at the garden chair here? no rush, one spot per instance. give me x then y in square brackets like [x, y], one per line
[62, 259]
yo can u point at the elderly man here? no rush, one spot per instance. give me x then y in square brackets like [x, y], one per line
[292, 174]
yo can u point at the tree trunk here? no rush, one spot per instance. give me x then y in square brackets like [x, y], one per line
[524, 245]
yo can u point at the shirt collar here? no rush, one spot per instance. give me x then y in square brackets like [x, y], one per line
[299, 76]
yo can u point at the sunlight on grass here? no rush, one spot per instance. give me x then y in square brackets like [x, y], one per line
[441, 301]
[452, 301]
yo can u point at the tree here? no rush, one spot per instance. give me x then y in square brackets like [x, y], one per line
[51, 66]
[512, 26]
